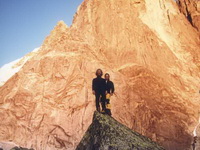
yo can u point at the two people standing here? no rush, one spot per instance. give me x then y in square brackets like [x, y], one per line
[102, 89]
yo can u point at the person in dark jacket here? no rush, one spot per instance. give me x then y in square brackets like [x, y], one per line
[109, 92]
[109, 85]
[99, 90]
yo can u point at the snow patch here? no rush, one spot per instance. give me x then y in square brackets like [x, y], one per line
[8, 70]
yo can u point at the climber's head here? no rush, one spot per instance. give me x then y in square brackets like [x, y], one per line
[107, 76]
[99, 73]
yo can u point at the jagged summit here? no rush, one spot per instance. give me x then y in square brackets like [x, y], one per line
[53, 40]
[105, 133]
[61, 25]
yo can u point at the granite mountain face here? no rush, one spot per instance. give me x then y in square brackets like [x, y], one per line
[150, 49]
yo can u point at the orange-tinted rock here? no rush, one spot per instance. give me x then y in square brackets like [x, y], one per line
[152, 54]
[191, 9]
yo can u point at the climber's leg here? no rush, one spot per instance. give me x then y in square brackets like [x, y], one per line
[103, 98]
[108, 107]
[97, 102]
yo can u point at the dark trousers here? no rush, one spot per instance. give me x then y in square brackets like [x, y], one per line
[100, 97]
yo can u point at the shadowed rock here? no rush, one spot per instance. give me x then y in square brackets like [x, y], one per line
[105, 133]
[20, 148]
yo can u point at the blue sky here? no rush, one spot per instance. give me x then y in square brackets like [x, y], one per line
[24, 24]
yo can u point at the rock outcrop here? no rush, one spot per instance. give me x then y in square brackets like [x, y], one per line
[20, 148]
[150, 50]
[7, 145]
[191, 9]
[105, 133]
